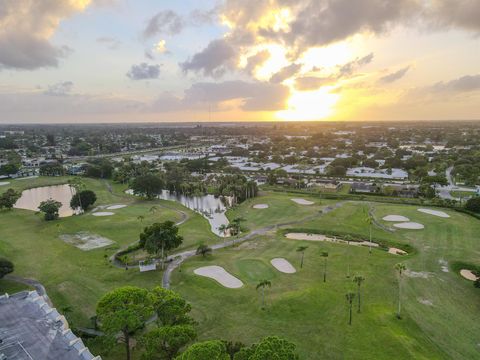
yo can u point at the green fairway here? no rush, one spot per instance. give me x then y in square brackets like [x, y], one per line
[440, 308]
[77, 278]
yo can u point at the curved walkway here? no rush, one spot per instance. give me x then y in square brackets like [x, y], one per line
[176, 259]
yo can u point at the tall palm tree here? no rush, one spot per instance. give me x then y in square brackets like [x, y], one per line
[369, 221]
[223, 229]
[324, 254]
[358, 279]
[350, 296]
[302, 250]
[154, 209]
[400, 267]
[140, 218]
[348, 238]
[204, 250]
[263, 284]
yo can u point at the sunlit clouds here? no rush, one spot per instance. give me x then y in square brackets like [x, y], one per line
[239, 60]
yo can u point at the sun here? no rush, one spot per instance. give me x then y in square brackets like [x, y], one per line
[310, 105]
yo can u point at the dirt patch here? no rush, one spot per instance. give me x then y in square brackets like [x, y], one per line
[103, 213]
[444, 265]
[220, 275]
[409, 226]
[283, 265]
[260, 206]
[319, 237]
[417, 274]
[434, 213]
[468, 274]
[302, 201]
[86, 241]
[395, 218]
[3, 183]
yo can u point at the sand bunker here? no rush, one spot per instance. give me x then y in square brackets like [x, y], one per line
[396, 251]
[319, 237]
[3, 183]
[220, 275]
[468, 274]
[103, 213]
[395, 218]
[86, 241]
[115, 207]
[409, 225]
[260, 206]
[425, 302]
[444, 265]
[283, 265]
[302, 201]
[434, 212]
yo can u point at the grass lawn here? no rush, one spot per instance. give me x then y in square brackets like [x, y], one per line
[440, 309]
[462, 194]
[77, 278]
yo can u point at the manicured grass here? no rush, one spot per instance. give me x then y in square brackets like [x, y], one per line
[12, 287]
[314, 314]
[462, 194]
[79, 278]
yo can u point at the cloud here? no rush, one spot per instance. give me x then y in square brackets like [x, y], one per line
[59, 89]
[26, 27]
[467, 83]
[397, 75]
[255, 96]
[285, 73]
[144, 71]
[350, 67]
[256, 60]
[464, 14]
[110, 42]
[212, 61]
[164, 22]
[307, 83]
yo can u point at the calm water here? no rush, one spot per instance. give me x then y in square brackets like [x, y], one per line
[208, 206]
[31, 199]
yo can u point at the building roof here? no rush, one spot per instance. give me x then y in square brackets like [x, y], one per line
[31, 329]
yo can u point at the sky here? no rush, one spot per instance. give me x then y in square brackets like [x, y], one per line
[99, 61]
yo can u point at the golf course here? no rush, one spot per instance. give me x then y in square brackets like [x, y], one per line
[313, 269]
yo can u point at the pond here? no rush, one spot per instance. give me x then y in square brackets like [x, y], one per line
[31, 198]
[208, 206]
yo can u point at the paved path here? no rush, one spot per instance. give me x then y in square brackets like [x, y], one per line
[176, 259]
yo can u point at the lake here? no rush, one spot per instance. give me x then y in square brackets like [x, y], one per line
[31, 198]
[210, 207]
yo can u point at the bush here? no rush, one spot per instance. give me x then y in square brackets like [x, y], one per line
[6, 267]
[83, 199]
[473, 204]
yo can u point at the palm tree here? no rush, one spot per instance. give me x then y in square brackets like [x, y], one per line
[369, 221]
[223, 229]
[140, 218]
[263, 284]
[348, 238]
[400, 267]
[350, 296]
[204, 250]
[324, 254]
[358, 279]
[78, 185]
[154, 209]
[302, 250]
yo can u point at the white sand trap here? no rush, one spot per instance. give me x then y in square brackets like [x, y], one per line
[115, 207]
[434, 212]
[260, 206]
[103, 213]
[396, 251]
[220, 275]
[302, 201]
[3, 183]
[86, 241]
[395, 218]
[444, 265]
[283, 265]
[468, 274]
[319, 237]
[409, 225]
